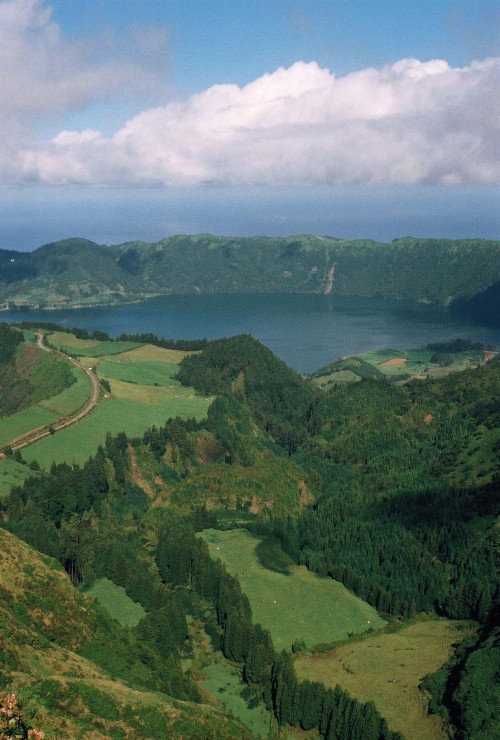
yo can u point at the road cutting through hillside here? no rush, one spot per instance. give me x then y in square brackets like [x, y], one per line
[39, 433]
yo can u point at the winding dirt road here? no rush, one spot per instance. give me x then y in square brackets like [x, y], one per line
[36, 434]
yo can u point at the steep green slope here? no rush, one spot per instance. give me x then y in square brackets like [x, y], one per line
[45, 626]
[392, 490]
[69, 272]
[80, 272]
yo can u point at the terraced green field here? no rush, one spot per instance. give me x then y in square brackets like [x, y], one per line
[143, 394]
[72, 398]
[79, 441]
[13, 426]
[145, 372]
[71, 345]
[299, 606]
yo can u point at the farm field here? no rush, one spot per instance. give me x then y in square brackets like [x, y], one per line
[13, 426]
[145, 372]
[341, 376]
[399, 365]
[79, 441]
[115, 600]
[89, 347]
[414, 362]
[387, 669]
[299, 606]
[152, 352]
[143, 393]
[72, 398]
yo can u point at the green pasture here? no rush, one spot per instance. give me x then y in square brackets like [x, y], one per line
[70, 399]
[110, 348]
[46, 411]
[387, 668]
[64, 339]
[71, 345]
[298, 606]
[145, 372]
[152, 352]
[13, 426]
[29, 336]
[12, 474]
[115, 600]
[419, 361]
[80, 441]
[341, 376]
[223, 681]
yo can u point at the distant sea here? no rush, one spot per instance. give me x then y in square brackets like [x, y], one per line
[307, 331]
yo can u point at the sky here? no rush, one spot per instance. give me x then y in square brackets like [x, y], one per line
[137, 119]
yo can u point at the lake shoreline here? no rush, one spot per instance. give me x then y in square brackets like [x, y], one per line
[306, 330]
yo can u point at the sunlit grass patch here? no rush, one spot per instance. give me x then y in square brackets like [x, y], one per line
[145, 372]
[152, 395]
[299, 606]
[224, 682]
[115, 600]
[64, 339]
[341, 376]
[152, 352]
[80, 441]
[387, 669]
[72, 398]
[88, 347]
[33, 417]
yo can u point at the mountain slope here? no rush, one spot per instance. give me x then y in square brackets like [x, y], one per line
[44, 622]
[79, 272]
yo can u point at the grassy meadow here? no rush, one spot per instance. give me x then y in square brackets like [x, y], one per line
[297, 606]
[72, 398]
[222, 680]
[115, 600]
[71, 345]
[386, 668]
[395, 364]
[145, 372]
[143, 393]
[14, 426]
[79, 441]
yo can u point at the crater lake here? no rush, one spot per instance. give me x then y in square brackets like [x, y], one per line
[307, 331]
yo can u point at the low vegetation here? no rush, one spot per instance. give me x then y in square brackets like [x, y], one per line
[29, 375]
[387, 668]
[295, 606]
[334, 514]
[434, 361]
[142, 393]
[115, 600]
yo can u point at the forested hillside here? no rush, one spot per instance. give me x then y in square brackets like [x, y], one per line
[79, 272]
[392, 490]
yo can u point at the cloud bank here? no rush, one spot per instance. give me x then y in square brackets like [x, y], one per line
[408, 122]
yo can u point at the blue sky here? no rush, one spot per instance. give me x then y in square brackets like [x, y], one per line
[135, 119]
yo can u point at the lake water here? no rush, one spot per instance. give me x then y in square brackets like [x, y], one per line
[307, 331]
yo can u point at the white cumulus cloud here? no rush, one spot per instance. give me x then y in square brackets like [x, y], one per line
[409, 122]
[44, 76]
